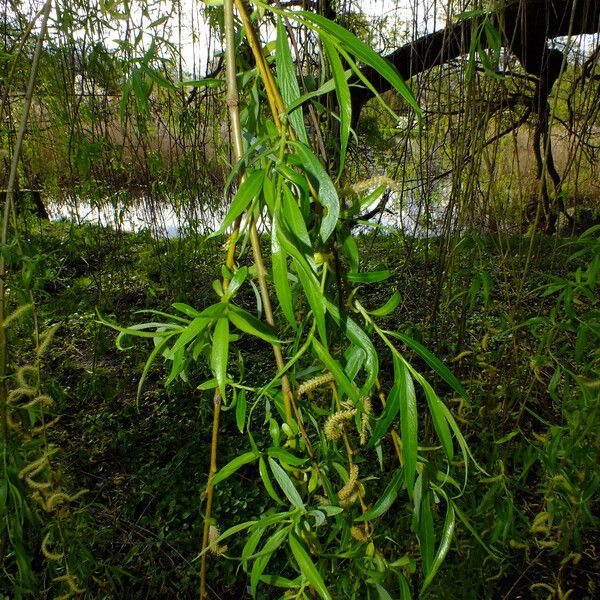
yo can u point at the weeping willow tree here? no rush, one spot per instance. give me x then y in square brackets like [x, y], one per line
[323, 138]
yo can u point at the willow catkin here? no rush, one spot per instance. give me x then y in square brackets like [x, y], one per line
[213, 536]
[348, 493]
[23, 376]
[334, 426]
[70, 581]
[53, 556]
[314, 383]
[33, 468]
[364, 419]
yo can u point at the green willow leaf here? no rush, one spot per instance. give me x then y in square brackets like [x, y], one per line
[405, 593]
[264, 556]
[426, 533]
[385, 501]
[286, 485]
[186, 309]
[307, 567]
[240, 411]
[286, 457]
[333, 366]
[363, 52]
[248, 190]
[264, 475]
[343, 97]
[326, 88]
[248, 323]
[389, 307]
[288, 82]
[307, 277]
[438, 417]
[281, 277]
[158, 350]
[389, 412]
[220, 352]
[250, 545]
[192, 331]
[433, 361]
[409, 424]
[372, 277]
[279, 581]
[446, 539]
[234, 465]
[358, 337]
[327, 193]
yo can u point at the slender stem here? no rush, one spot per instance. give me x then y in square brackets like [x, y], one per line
[210, 489]
[266, 301]
[236, 131]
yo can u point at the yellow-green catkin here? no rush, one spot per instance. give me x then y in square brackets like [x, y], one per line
[364, 420]
[347, 495]
[47, 553]
[70, 581]
[334, 426]
[213, 536]
[314, 383]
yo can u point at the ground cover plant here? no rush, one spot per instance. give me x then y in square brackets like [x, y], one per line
[308, 401]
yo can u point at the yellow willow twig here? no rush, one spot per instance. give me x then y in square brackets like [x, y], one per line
[232, 103]
[277, 108]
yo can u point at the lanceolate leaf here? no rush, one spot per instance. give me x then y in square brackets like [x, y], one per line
[306, 274]
[435, 363]
[389, 307]
[327, 193]
[263, 557]
[425, 533]
[364, 53]
[246, 193]
[247, 322]
[408, 421]
[156, 352]
[264, 475]
[232, 466]
[286, 484]
[288, 83]
[240, 411]
[358, 337]
[336, 370]
[390, 410]
[220, 352]
[307, 567]
[386, 500]
[444, 546]
[438, 417]
[343, 97]
[280, 277]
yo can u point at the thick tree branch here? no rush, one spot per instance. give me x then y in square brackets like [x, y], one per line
[525, 27]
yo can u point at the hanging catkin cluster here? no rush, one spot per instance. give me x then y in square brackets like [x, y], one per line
[314, 383]
[336, 423]
[27, 418]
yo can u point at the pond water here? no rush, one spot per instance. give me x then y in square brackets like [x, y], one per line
[161, 219]
[165, 219]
